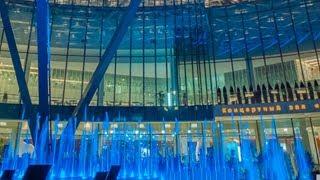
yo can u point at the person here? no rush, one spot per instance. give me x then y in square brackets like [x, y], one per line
[225, 95]
[283, 92]
[296, 87]
[316, 87]
[219, 97]
[239, 96]
[25, 147]
[232, 93]
[258, 93]
[5, 98]
[310, 89]
[198, 150]
[244, 90]
[264, 93]
[210, 149]
[161, 98]
[252, 98]
[290, 93]
[304, 95]
[277, 95]
[185, 99]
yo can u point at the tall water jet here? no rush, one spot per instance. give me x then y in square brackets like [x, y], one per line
[104, 152]
[144, 153]
[65, 156]
[248, 154]
[302, 159]
[41, 145]
[275, 161]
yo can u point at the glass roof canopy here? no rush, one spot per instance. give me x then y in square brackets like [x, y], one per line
[220, 25]
[151, 3]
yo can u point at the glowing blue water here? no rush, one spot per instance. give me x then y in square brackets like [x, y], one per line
[146, 155]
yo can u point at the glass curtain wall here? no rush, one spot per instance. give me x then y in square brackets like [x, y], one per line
[179, 52]
[166, 134]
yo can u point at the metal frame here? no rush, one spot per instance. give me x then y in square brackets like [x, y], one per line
[248, 59]
[110, 51]
[20, 75]
[293, 26]
[155, 55]
[276, 28]
[262, 42]
[67, 53]
[212, 39]
[191, 54]
[43, 40]
[197, 55]
[230, 46]
[100, 91]
[203, 51]
[312, 33]
[84, 58]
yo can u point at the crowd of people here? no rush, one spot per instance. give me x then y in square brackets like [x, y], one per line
[266, 93]
[262, 93]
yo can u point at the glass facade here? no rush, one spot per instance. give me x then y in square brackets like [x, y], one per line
[286, 129]
[176, 54]
[199, 56]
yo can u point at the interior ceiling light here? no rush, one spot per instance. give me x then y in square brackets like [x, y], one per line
[167, 126]
[194, 125]
[3, 124]
[141, 126]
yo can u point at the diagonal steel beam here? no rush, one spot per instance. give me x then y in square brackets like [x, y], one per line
[43, 40]
[23, 88]
[105, 60]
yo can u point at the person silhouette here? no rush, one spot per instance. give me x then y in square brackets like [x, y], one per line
[239, 96]
[277, 88]
[5, 97]
[303, 86]
[296, 87]
[311, 90]
[161, 98]
[253, 98]
[244, 91]
[283, 92]
[219, 98]
[316, 87]
[258, 94]
[289, 90]
[264, 93]
[232, 93]
[225, 95]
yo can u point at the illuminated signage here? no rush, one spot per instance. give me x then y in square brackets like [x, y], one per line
[252, 110]
[269, 108]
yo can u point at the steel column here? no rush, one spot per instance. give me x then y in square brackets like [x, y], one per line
[43, 40]
[20, 75]
[111, 49]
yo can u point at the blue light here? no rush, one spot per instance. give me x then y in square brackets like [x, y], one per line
[143, 158]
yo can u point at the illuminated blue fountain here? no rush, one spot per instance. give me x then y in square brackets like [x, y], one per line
[149, 155]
